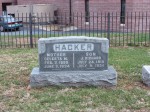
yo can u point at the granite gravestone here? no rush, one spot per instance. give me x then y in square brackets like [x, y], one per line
[146, 75]
[73, 61]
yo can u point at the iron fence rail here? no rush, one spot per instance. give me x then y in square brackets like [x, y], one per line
[134, 31]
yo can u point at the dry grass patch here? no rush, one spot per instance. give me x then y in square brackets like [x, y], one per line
[130, 95]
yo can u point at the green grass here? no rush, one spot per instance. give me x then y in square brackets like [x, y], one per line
[129, 95]
[130, 39]
[116, 39]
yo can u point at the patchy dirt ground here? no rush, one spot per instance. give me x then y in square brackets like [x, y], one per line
[130, 95]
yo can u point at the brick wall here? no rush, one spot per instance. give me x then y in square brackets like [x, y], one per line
[95, 5]
[78, 6]
[134, 20]
[6, 1]
[141, 5]
[0, 7]
[63, 5]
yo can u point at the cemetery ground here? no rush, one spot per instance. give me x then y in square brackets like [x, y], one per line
[130, 95]
[20, 39]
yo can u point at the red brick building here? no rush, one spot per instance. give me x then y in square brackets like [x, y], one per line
[79, 5]
[87, 7]
[4, 3]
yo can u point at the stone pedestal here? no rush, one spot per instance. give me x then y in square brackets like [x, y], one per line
[75, 78]
[146, 75]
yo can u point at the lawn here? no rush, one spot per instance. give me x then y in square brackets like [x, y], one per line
[130, 95]
[116, 39]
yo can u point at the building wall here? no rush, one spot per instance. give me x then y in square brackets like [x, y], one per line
[141, 5]
[136, 12]
[0, 7]
[95, 5]
[100, 6]
[112, 5]
[63, 5]
[6, 1]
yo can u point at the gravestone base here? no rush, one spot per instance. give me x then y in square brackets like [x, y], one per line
[105, 78]
[146, 75]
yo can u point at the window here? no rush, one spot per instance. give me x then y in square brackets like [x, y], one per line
[87, 12]
[123, 8]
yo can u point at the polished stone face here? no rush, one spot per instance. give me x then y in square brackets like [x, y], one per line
[73, 54]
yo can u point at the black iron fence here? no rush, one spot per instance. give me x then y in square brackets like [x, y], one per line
[133, 29]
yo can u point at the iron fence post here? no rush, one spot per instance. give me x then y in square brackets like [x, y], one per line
[108, 27]
[30, 27]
